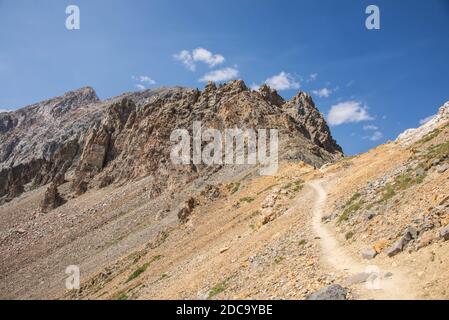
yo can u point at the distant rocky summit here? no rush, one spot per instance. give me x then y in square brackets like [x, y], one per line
[96, 143]
[412, 135]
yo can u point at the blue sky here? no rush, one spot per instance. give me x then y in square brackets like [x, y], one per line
[377, 82]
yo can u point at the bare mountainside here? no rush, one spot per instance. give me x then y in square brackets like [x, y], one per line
[85, 181]
[372, 226]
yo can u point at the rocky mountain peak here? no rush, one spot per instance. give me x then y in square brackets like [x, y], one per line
[271, 95]
[302, 108]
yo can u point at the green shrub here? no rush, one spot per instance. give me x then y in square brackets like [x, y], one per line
[217, 289]
[143, 268]
[349, 235]
[247, 199]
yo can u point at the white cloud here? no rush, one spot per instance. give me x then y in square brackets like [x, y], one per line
[323, 93]
[283, 81]
[220, 75]
[370, 127]
[347, 112]
[376, 136]
[255, 87]
[146, 79]
[143, 81]
[186, 58]
[425, 120]
[189, 59]
[203, 55]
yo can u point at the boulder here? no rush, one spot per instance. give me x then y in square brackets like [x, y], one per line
[396, 248]
[186, 210]
[52, 199]
[330, 292]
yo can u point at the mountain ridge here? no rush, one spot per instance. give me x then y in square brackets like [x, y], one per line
[57, 130]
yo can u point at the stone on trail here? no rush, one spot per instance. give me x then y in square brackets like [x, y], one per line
[357, 278]
[330, 292]
[369, 253]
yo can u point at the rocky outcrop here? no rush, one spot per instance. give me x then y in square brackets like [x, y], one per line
[128, 137]
[52, 199]
[271, 95]
[411, 136]
[186, 210]
[302, 108]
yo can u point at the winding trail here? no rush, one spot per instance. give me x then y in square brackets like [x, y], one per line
[396, 287]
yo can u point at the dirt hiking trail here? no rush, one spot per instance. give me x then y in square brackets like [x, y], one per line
[396, 286]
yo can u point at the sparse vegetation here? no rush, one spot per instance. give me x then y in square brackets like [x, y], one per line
[440, 151]
[247, 199]
[234, 187]
[349, 235]
[278, 259]
[387, 193]
[218, 288]
[353, 205]
[294, 186]
[401, 182]
[430, 136]
[267, 189]
[302, 242]
[120, 296]
[143, 268]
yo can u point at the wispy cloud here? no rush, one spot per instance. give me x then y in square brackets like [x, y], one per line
[143, 81]
[323, 93]
[312, 77]
[427, 119]
[348, 112]
[369, 127]
[254, 86]
[186, 58]
[189, 59]
[283, 81]
[376, 136]
[220, 75]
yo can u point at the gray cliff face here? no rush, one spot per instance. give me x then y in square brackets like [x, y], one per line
[97, 143]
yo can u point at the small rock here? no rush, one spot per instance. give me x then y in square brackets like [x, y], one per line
[21, 231]
[443, 168]
[223, 250]
[369, 215]
[330, 292]
[444, 233]
[357, 278]
[426, 239]
[410, 234]
[420, 171]
[396, 248]
[369, 253]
